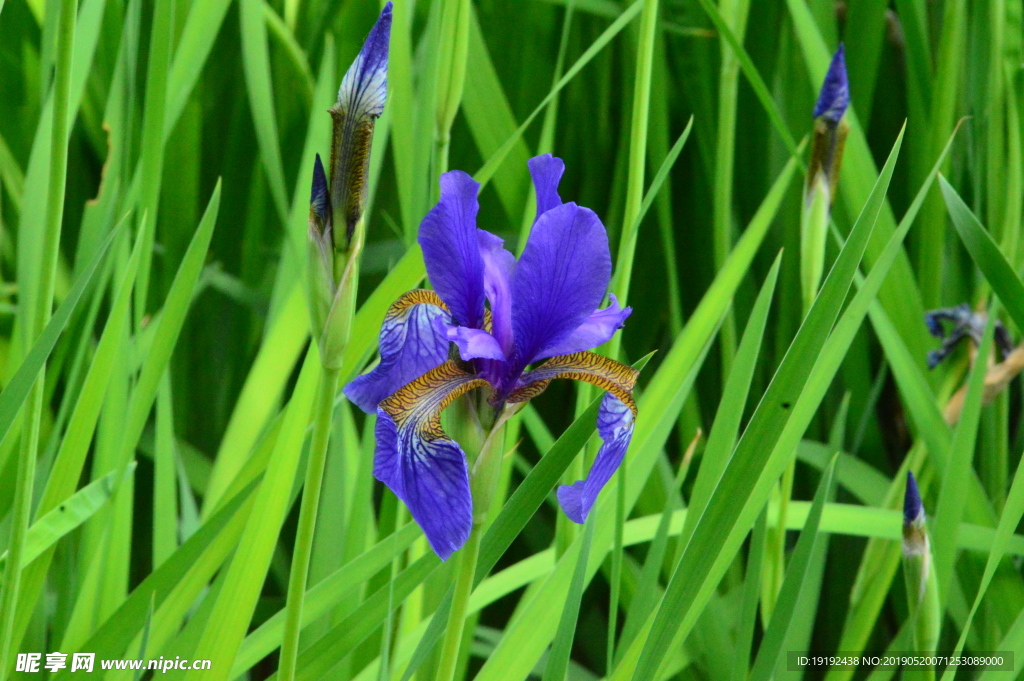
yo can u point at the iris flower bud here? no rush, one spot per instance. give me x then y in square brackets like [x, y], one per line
[360, 103]
[830, 127]
[320, 257]
[336, 228]
[830, 130]
[919, 574]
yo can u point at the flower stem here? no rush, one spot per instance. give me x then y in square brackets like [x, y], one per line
[465, 573]
[324, 408]
[484, 475]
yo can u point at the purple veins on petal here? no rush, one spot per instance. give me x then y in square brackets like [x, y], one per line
[419, 463]
[614, 421]
[451, 249]
[365, 85]
[834, 97]
[431, 478]
[546, 171]
[597, 330]
[559, 280]
[410, 346]
[499, 264]
[615, 426]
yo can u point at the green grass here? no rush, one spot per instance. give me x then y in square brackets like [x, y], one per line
[159, 387]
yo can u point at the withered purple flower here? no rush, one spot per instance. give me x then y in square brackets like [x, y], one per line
[966, 323]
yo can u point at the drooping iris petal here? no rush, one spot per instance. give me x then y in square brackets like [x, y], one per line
[419, 463]
[615, 425]
[546, 171]
[365, 85]
[589, 367]
[474, 343]
[834, 97]
[559, 280]
[451, 250]
[596, 330]
[410, 346]
[614, 421]
[498, 267]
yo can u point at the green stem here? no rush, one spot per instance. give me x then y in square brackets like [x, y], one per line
[627, 249]
[735, 12]
[616, 586]
[464, 576]
[439, 164]
[324, 408]
[449, 80]
[21, 511]
[485, 471]
[637, 158]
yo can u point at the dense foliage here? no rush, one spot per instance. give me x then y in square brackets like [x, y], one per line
[162, 400]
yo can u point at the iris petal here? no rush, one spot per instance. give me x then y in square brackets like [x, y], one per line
[423, 466]
[560, 279]
[451, 250]
[499, 265]
[546, 171]
[596, 330]
[589, 367]
[614, 420]
[615, 425]
[409, 347]
[474, 343]
[365, 85]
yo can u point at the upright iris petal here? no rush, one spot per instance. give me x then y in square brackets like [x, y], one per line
[560, 279]
[451, 249]
[499, 265]
[597, 330]
[546, 171]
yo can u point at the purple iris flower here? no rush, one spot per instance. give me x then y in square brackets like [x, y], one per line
[488, 320]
